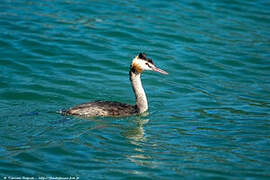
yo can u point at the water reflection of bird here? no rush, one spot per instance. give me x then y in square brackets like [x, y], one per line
[111, 108]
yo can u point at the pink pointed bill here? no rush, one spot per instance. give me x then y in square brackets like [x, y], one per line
[159, 70]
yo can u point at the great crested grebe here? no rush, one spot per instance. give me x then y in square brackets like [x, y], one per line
[111, 108]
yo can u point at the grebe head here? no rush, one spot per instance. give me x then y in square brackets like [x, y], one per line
[141, 63]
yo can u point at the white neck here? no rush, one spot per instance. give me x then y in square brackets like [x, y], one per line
[141, 100]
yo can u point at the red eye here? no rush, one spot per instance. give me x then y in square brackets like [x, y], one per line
[148, 65]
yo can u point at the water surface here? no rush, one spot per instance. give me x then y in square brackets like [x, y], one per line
[209, 118]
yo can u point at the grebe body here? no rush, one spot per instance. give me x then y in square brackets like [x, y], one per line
[111, 108]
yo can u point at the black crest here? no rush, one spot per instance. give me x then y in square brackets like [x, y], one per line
[142, 56]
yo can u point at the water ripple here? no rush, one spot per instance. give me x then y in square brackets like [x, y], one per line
[207, 118]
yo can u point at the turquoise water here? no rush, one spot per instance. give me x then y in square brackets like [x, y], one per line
[209, 118]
